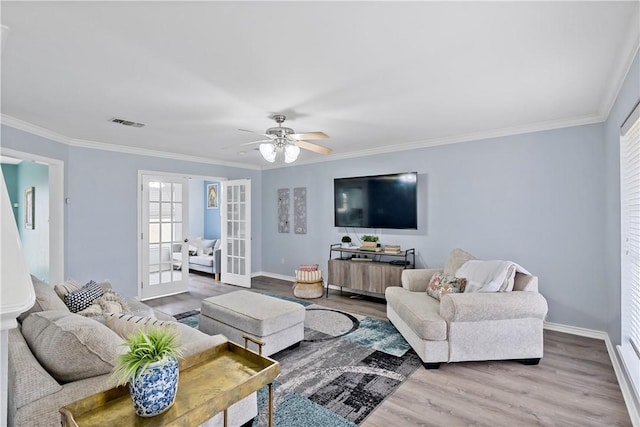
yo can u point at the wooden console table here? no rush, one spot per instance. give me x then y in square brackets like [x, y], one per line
[209, 383]
[373, 274]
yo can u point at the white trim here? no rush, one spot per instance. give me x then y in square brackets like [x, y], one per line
[56, 210]
[454, 139]
[433, 142]
[274, 276]
[46, 133]
[624, 383]
[574, 330]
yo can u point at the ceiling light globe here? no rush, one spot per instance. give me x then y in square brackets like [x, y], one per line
[268, 151]
[291, 153]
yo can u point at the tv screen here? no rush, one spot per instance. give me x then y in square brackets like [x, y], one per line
[381, 201]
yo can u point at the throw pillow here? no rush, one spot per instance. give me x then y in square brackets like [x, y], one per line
[308, 267]
[67, 287]
[441, 284]
[46, 299]
[82, 298]
[127, 324]
[71, 347]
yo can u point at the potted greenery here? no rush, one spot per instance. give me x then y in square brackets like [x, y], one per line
[346, 242]
[370, 241]
[150, 366]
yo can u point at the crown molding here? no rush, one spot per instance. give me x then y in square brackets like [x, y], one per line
[620, 73]
[48, 134]
[455, 139]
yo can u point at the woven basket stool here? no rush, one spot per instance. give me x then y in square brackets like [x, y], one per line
[308, 290]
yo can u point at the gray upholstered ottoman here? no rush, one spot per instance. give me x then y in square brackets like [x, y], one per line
[279, 323]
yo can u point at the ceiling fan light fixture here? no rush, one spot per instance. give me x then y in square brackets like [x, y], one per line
[268, 151]
[291, 153]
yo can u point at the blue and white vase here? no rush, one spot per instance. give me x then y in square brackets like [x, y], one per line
[154, 390]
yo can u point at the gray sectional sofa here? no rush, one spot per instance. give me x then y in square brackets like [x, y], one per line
[468, 326]
[56, 357]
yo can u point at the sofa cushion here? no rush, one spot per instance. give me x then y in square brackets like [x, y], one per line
[419, 311]
[204, 246]
[71, 347]
[457, 257]
[205, 260]
[441, 284]
[127, 324]
[82, 298]
[46, 299]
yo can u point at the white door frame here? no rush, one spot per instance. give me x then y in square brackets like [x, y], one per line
[141, 226]
[56, 209]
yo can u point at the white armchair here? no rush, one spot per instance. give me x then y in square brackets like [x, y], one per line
[468, 326]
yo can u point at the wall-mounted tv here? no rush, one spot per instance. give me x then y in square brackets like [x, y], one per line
[380, 201]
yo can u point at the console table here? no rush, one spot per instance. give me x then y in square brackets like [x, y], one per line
[367, 270]
[209, 383]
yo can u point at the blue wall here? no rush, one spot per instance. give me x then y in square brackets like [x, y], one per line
[535, 199]
[211, 216]
[196, 208]
[101, 235]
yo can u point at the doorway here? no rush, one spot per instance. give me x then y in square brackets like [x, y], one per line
[43, 241]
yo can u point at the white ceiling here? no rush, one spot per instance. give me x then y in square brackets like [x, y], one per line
[375, 76]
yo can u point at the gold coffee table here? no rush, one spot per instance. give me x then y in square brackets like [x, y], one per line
[209, 382]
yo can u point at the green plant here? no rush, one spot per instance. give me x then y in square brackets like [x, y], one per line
[346, 239]
[369, 238]
[145, 347]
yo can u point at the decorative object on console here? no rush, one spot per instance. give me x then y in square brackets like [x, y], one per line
[283, 210]
[392, 249]
[300, 210]
[283, 142]
[346, 242]
[150, 366]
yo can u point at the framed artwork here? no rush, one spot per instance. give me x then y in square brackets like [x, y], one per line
[212, 196]
[29, 208]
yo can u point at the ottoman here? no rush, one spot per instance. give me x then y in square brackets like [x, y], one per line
[279, 323]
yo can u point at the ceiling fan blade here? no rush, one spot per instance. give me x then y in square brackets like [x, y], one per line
[313, 147]
[309, 135]
[257, 133]
[256, 142]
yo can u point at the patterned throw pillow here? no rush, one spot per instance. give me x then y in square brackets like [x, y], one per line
[82, 298]
[308, 267]
[441, 284]
[127, 324]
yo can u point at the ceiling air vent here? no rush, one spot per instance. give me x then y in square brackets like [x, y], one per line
[127, 123]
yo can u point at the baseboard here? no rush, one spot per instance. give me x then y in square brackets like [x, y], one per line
[574, 330]
[620, 371]
[274, 276]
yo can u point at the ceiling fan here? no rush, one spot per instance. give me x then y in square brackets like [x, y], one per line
[284, 140]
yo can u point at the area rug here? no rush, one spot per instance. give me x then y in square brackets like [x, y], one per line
[345, 367]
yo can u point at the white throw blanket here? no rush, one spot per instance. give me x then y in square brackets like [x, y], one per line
[489, 276]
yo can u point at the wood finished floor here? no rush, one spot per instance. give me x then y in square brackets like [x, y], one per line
[574, 384]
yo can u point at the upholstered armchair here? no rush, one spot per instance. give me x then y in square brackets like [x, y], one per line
[467, 326]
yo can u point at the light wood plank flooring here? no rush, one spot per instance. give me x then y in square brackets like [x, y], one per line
[574, 384]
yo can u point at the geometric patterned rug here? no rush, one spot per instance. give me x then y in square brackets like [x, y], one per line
[346, 366]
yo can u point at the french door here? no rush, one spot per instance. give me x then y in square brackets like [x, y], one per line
[236, 232]
[164, 230]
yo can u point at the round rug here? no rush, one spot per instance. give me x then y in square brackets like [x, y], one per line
[328, 322]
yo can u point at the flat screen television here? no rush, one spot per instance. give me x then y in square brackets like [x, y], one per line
[380, 201]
